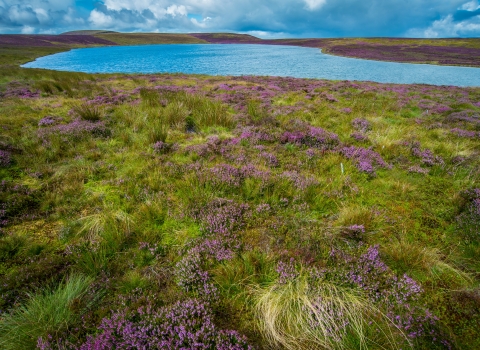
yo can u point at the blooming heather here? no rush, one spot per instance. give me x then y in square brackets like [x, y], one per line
[5, 158]
[300, 181]
[366, 160]
[469, 218]
[361, 125]
[286, 271]
[75, 129]
[49, 120]
[183, 325]
[313, 137]
[398, 295]
[426, 156]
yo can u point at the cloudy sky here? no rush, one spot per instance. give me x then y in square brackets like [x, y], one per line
[264, 18]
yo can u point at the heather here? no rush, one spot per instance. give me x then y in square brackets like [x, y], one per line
[457, 52]
[177, 211]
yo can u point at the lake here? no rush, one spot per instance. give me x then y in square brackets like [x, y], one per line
[245, 59]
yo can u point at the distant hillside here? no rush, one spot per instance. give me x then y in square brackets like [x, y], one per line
[227, 38]
[39, 40]
[149, 38]
[87, 32]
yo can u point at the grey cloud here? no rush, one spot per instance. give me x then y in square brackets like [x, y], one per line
[37, 16]
[289, 17]
[22, 15]
[145, 20]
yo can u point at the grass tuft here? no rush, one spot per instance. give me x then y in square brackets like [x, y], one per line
[89, 112]
[44, 314]
[302, 315]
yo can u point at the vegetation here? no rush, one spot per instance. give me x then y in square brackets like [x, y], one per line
[44, 314]
[255, 212]
[460, 52]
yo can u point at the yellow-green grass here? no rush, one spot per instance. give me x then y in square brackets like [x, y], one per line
[149, 38]
[97, 199]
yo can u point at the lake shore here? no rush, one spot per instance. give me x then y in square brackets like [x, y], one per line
[457, 52]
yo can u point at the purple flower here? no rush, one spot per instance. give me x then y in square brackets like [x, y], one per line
[286, 271]
[313, 137]
[417, 169]
[361, 125]
[300, 181]
[427, 157]
[358, 136]
[5, 158]
[465, 133]
[183, 325]
[75, 130]
[49, 120]
[365, 160]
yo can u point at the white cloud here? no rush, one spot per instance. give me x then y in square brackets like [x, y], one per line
[290, 17]
[470, 6]
[175, 10]
[27, 30]
[100, 20]
[42, 15]
[447, 28]
[22, 15]
[48, 32]
[315, 4]
[201, 24]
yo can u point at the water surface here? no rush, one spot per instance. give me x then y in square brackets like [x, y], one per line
[243, 59]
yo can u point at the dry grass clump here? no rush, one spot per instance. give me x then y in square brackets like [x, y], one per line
[300, 314]
[414, 257]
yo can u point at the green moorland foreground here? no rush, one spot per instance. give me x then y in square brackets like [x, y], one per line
[198, 212]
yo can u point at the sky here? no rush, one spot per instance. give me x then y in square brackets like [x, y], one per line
[262, 18]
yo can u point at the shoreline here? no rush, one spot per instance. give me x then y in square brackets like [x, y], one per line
[367, 48]
[443, 75]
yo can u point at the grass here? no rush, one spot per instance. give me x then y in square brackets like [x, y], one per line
[44, 314]
[117, 180]
[88, 112]
[299, 315]
[149, 38]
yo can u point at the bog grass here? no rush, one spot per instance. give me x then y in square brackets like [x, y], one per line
[299, 315]
[117, 180]
[46, 313]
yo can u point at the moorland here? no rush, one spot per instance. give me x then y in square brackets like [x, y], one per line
[179, 211]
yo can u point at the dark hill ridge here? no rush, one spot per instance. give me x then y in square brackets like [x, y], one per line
[52, 40]
[228, 38]
[88, 32]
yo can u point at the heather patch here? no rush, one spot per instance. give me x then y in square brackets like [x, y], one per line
[49, 120]
[399, 296]
[469, 219]
[5, 158]
[365, 160]
[267, 206]
[361, 125]
[74, 130]
[184, 325]
[465, 133]
[425, 155]
[312, 137]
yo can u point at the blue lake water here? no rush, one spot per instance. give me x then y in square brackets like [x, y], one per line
[240, 59]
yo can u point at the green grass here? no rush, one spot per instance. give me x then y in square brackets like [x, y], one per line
[112, 207]
[299, 315]
[46, 313]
